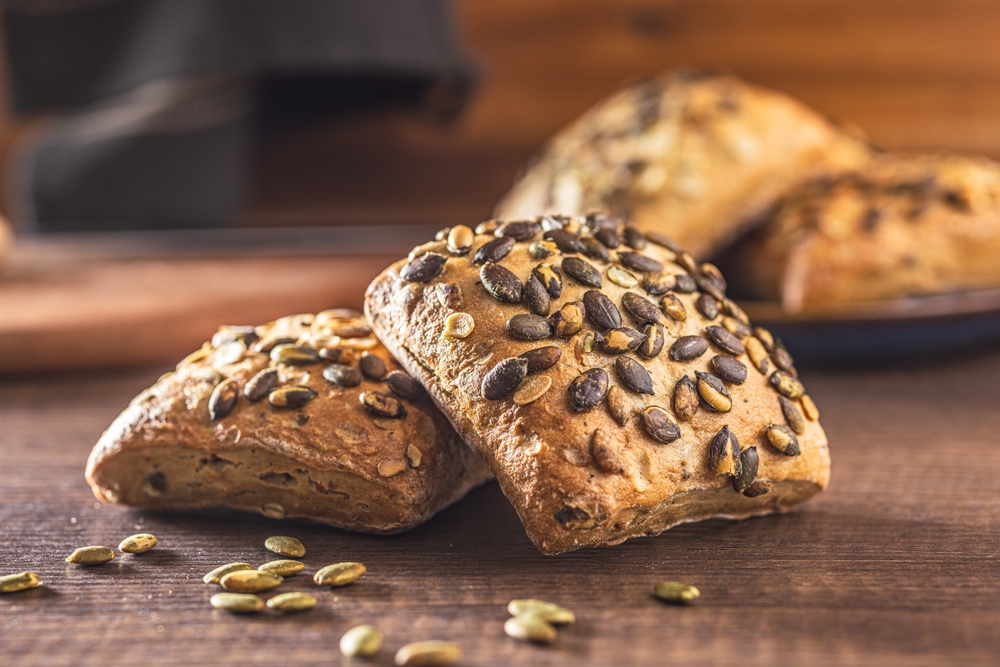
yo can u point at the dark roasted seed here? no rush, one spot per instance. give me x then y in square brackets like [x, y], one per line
[536, 297]
[639, 262]
[663, 241]
[729, 369]
[601, 310]
[550, 278]
[581, 271]
[290, 396]
[708, 286]
[787, 386]
[520, 230]
[501, 282]
[269, 344]
[651, 347]
[687, 348]
[724, 454]
[382, 405]
[660, 425]
[713, 392]
[620, 340]
[633, 238]
[733, 310]
[685, 400]
[711, 272]
[494, 251]
[623, 405]
[792, 415]
[541, 358]
[372, 366]
[633, 375]
[782, 359]
[294, 355]
[686, 261]
[504, 378]
[342, 375]
[604, 449]
[261, 384]
[783, 439]
[601, 220]
[737, 328]
[684, 284]
[673, 308]
[529, 327]
[542, 249]
[566, 242]
[748, 472]
[223, 399]
[640, 308]
[658, 282]
[765, 337]
[424, 268]
[333, 354]
[593, 249]
[725, 340]
[404, 386]
[608, 236]
[568, 320]
[708, 306]
[588, 389]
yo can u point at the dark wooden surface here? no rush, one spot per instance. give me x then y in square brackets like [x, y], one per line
[896, 564]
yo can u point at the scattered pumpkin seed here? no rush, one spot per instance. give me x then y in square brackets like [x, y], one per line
[568, 320]
[582, 272]
[137, 544]
[339, 574]
[792, 415]
[608, 236]
[549, 611]
[460, 239]
[633, 238]
[342, 375]
[223, 399]
[737, 328]
[261, 384]
[633, 375]
[685, 400]
[641, 308]
[588, 389]
[735, 311]
[621, 405]
[684, 284]
[757, 354]
[528, 326]
[459, 325]
[533, 388]
[430, 653]
[601, 310]
[688, 348]
[660, 425]
[663, 241]
[809, 408]
[566, 242]
[713, 393]
[765, 337]
[286, 602]
[216, 575]
[658, 282]
[590, 340]
[758, 488]
[708, 306]
[593, 249]
[361, 641]
[673, 308]
[542, 249]
[541, 358]
[504, 378]
[729, 369]
[285, 546]
[391, 467]
[404, 386]
[283, 568]
[724, 454]
[639, 262]
[725, 340]
[783, 439]
[687, 262]
[621, 340]
[550, 278]
[424, 268]
[621, 277]
[230, 353]
[605, 452]
[653, 344]
[676, 592]
[237, 603]
[372, 366]
[501, 283]
[530, 628]
[250, 581]
[294, 355]
[787, 386]
[536, 297]
[493, 251]
[13, 583]
[291, 396]
[748, 470]
[91, 556]
[382, 405]
[487, 227]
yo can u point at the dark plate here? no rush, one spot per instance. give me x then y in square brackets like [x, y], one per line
[915, 328]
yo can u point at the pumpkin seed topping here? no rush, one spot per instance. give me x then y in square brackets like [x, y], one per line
[404, 386]
[530, 628]
[582, 271]
[382, 405]
[685, 400]
[621, 277]
[533, 388]
[809, 408]
[708, 306]
[542, 249]
[658, 282]
[223, 399]
[687, 348]
[660, 425]
[568, 320]
[424, 268]
[621, 340]
[605, 451]
[757, 354]
[787, 386]
[673, 308]
[493, 251]
[653, 344]
[725, 340]
[588, 389]
[520, 230]
[713, 393]
[372, 366]
[633, 375]
[792, 415]
[459, 325]
[294, 355]
[729, 369]
[291, 396]
[342, 375]
[593, 249]
[748, 472]
[724, 454]
[566, 242]
[501, 283]
[639, 262]
[460, 239]
[550, 278]
[527, 326]
[504, 378]
[536, 297]
[261, 384]
[783, 439]
[541, 358]
[601, 310]
[640, 308]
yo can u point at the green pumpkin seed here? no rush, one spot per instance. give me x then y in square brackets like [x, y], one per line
[283, 568]
[12, 583]
[137, 544]
[530, 628]
[237, 603]
[91, 556]
[216, 575]
[676, 592]
[291, 602]
[431, 653]
[286, 546]
[361, 641]
[339, 574]
[549, 611]
[250, 581]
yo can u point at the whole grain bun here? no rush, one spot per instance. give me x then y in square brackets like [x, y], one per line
[693, 156]
[900, 225]
[593, 446]
[196, 439]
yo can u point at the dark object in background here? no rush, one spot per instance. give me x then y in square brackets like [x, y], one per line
[161, 99]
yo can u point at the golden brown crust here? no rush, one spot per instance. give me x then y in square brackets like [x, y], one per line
[6, 239]
[330, 460]
[901, 225]
[696, 157]
[582, 478]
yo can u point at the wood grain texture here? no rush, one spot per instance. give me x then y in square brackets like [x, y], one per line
[896, 564]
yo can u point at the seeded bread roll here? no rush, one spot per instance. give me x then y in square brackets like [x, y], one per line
[693, 156]
[604, 376]
[901, 225]
[305, 417]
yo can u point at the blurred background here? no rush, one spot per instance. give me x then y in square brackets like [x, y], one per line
[170, 165]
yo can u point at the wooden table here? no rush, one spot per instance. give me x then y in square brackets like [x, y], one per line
[896, 564]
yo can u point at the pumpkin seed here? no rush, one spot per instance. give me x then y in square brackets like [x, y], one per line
[223, 399]
[504, 378]
[712, 273]
[283, 568]
[342, 375]
[550, 278]
[568, 320]
[532, 389]
[608, 236]
[725, 340]
[291, 396]
[639, 262]
[621, 340]
[261, 384]
[391, 467]
[431, 653]
[633, 375]
[730, 307]
[334, 354]
[590, 340]
[404, 386]
[676, 592]
[708, 286]
[382, 405]
[285, 546]
[685, 400]
[601, 220]
[660, 425]
[687, 262]
[582, 271]
[621, 277]
[487, 227]
[640, 308]
[601, 310]
[137, 544]
[542, 249]
[460, 239]
[286, 602]
[604, 451]
[684, 284]
[294, 355]
[339, 574]
[237, 603]
[729, 369]
[230, 353]
[459, 325]
[724, 454]
[541, 358]
[520, 230]
[765, 337]
[653, 344]
[708, 306]
[787, 386]
[493, 251]
[748, 472]
[530, 628]
[501, 283]
[91, 556]
[588, 389]
[783, 439]
[673, 308]
[713, 393]
[216, 575]
[621, 405]
[658, 282]
[758, 488]
[782, 359]
[250, 581]
[361, 641]
[663, 241]
[536, 297]
[687, 348]
[414, 455]
[566, 242]
[809, 408]
[792, 415]
[737, 328]
[551, 612]
[372, 366]
[13, 583]
[448, 295]
[442, 234]
[633, 238]
[757, 354]
[528, 326]
[424, 268]
[593, 249]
